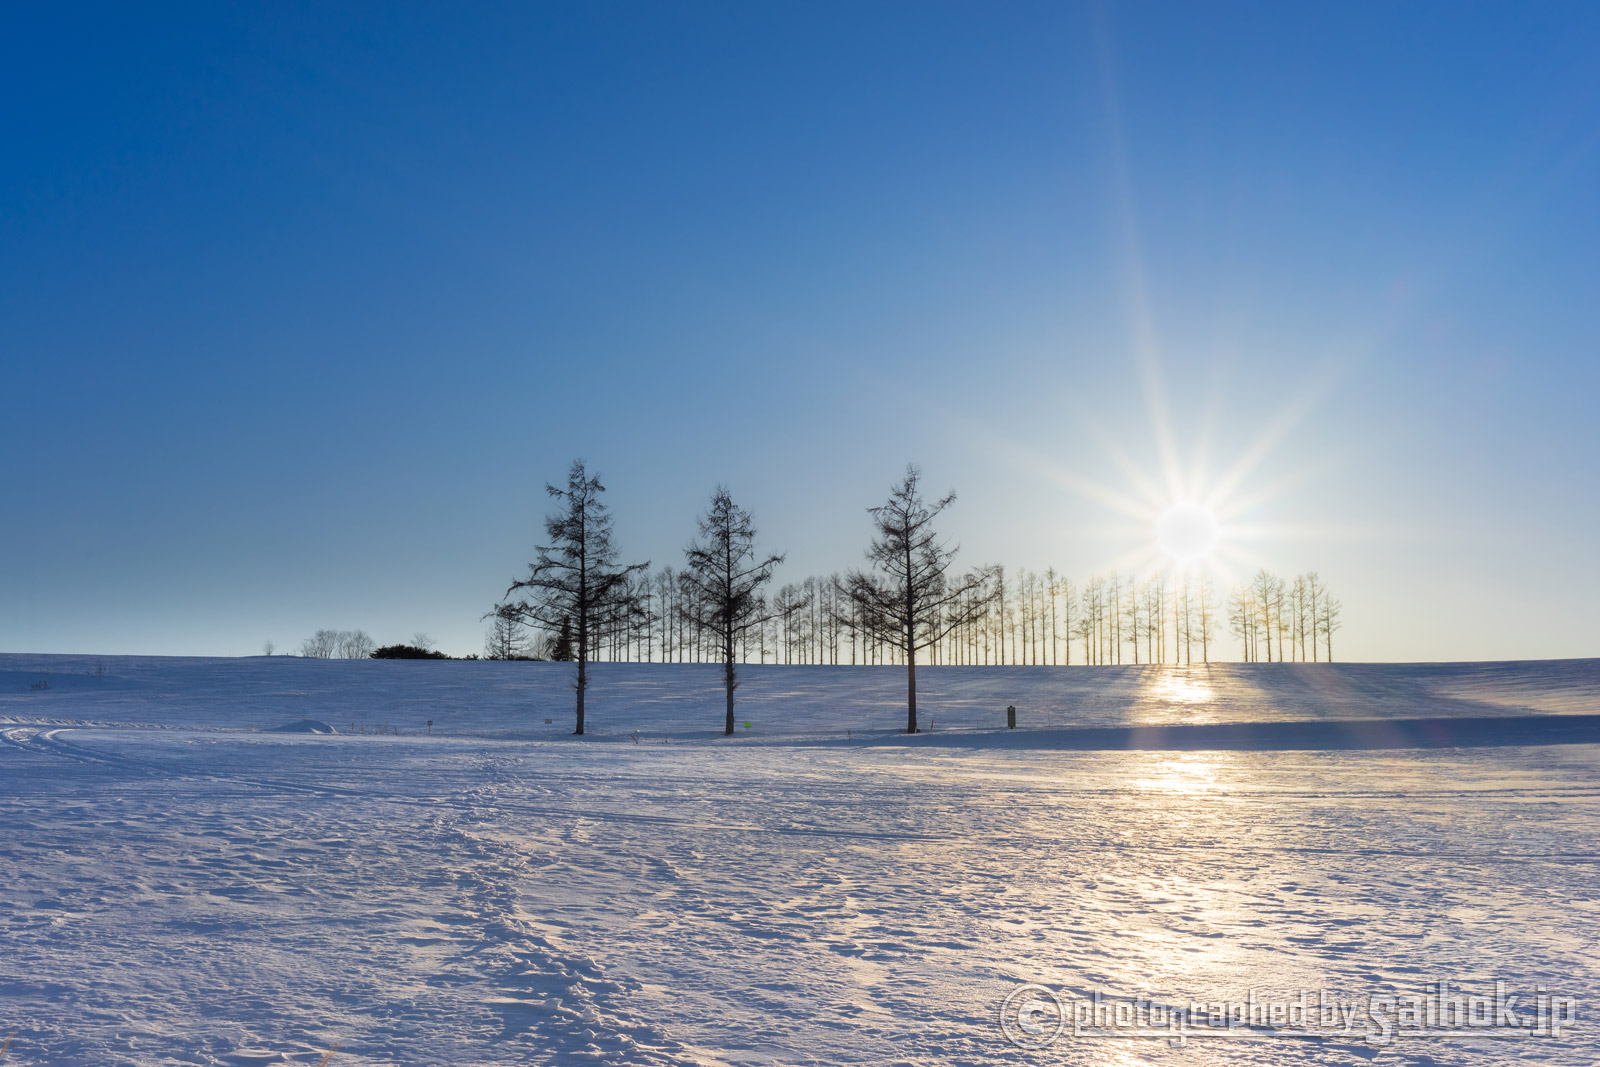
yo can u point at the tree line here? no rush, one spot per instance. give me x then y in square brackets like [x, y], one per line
[1020, 618]
[909, 606]
[1301, 613]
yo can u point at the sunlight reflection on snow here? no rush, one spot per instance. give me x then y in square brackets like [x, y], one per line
[1188, 773]
[1180, 686]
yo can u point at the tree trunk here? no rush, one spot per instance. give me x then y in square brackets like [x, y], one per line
[583, 683]
[728, 681]
[911, 691]
[583, 623]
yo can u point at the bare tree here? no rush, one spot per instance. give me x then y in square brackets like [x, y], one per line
[907, 601]
[1092, 624]
[1066, 619]
[727, 578]
[338, 644]
[1114, 617]
[320, 645]
[997, 574]
[506, 638]
[1085, 627]
[1155, 618]
[1242, 621]
[1183, 613]
[1267, 593]
[268, 648]
[1315, 592]
[1329, 622]
[666, 587]
[790, 608]
[1133, 615]
[356, 644]
[575, 578]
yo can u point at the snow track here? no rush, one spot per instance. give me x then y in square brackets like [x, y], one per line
[253, 853]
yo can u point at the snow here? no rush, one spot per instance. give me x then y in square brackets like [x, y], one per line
[181, 883]
[304, 726]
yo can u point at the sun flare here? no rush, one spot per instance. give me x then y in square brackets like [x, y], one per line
[1187, 532]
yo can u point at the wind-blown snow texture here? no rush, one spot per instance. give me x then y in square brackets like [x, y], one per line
[179, 884]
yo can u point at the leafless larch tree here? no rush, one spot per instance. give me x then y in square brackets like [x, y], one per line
[908, 600]
[575, 582]
[725, 577]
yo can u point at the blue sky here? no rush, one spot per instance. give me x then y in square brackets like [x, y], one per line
[300, 307]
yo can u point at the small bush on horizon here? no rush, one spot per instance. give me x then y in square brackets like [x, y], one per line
[406, 652]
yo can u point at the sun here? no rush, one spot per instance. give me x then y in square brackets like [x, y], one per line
[1186, 531]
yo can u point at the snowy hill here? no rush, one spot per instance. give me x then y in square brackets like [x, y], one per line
[684, 701]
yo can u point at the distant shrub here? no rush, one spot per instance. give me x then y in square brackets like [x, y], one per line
[406, 652]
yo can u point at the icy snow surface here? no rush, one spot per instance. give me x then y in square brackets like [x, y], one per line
[181, 885]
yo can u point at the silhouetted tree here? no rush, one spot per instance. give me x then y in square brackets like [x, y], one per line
[909, 602]
[789, 607]
[575, 580]
[506, 638]
[727, 578]
[562, 650]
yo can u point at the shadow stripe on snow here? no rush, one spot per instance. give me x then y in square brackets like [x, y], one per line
[1330, 735]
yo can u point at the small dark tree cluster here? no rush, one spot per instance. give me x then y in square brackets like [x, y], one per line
[406, 652]
[562, 648]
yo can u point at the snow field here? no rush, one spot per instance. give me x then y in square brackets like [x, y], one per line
[175, 889]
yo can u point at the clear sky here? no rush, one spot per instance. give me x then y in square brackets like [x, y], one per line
[300, 305]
